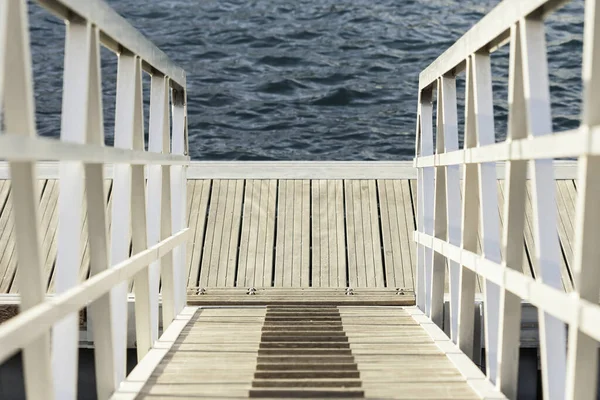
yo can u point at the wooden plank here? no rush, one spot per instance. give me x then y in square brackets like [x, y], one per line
[192, 221]
[329, 259]
[268, 272]
[222, 263]
[214, 229]
[354, 233]
[390, 230]
[297, 230]
[565, 229]
[526, 266]
[5, 221]
[531, 244]
[256, 251]
[293, 222]
[234, 232]
[399, 360]
[214, 356]
[197, 218]
[364, 242]
[8, 263]
[266, 226]
[407, 227]
[246, 269]
[305, 234]
[319, 266]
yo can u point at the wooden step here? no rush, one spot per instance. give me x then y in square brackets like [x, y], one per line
[304, 352]
[304, 345]
[334, 393]
[305, 359]
[306, 383]
[303, 338]
[306, 374]
[307, 393]
[302, 328]
[324, 366]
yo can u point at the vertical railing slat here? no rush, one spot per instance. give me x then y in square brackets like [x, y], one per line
[128, 128]
[426, 189]
[16, 99]
[77, 93]
[582, 363]
[488, 207]
[514, 221]
[440, 227]
[470, 215]
[450, 123]
[539, 122]
[179, 194]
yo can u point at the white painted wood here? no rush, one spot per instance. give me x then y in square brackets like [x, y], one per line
[83, 156]
[514, 217]
[489, 30]
[132, 386]
[488, 197]
[81, 98]
[539, 122]
[179, 194]
[158, 128]
[21, 148]
[36, 321]
[128, 132]
[398, 170]
[440, 218]
[16, 99]
[472, 374]
[450, 123]
[118, 34]
[425, 206]
[470, 215]
[582, 357]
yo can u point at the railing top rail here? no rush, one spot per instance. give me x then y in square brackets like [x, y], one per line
[491, 31]
[117, 34]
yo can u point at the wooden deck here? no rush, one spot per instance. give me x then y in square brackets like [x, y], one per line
[250, 233]
[308, 352]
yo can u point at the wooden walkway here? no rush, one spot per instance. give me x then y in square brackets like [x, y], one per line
[301, 352]
[289, 234]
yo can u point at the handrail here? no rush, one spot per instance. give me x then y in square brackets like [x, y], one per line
[117, 34]
[451, 224]
[148, 230]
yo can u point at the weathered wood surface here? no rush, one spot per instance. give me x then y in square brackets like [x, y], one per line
[289, 233]
[316, 352]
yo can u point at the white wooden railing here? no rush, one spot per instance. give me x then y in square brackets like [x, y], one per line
[150, 217]
[448, 225]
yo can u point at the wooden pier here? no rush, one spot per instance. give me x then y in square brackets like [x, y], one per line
[301, 237]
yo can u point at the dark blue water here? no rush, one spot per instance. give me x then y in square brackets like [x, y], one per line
[306, 79]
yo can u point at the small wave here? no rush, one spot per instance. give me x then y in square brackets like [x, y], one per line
[284, 86]
[340, 97]
[280, 61]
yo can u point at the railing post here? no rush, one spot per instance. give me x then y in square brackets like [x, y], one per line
[582, 365]
[425, 201]
[179, 194]
[159, 199]
[453, 203]
[440, 220]
[514, 221]
[488, 197]
[128, 135]
[81, 123]
[470, 215]
[539, 122]
[16, 100]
